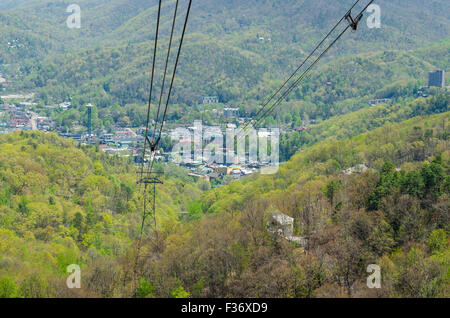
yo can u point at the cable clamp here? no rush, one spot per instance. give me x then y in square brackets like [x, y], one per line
[353, 21]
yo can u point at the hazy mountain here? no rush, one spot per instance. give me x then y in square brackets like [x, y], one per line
[108, 60]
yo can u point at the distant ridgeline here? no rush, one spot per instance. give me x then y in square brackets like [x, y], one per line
[107, 61]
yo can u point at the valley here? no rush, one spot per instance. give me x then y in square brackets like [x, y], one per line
[361, 178]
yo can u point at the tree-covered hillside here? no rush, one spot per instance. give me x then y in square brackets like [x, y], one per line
[292, 23]
[363, 184]
[61, 204]
[366, 119]
[116, 82]
[108, 60]
[397, 218]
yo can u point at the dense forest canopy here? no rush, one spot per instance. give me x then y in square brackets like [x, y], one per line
[108, 60]
[62, 204]
[363, 184]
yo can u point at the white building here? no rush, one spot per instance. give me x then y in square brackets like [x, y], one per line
[65, 105]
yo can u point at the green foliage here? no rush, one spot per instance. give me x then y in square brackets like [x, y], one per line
[222, 247]
[407, 211]
[145, 288]
[427, 182]
[34, 286]
[63, 204]
[180, 292]
[331, 189]
[194, 208]
[366, 119]
[223, 56]
[8, 289]
[437, 241]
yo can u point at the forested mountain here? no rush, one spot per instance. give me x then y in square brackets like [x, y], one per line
[385, 215]
[108, 60]
[349, 125]
[292, 22]
[364, 184]
[61, 204]
[354, 80]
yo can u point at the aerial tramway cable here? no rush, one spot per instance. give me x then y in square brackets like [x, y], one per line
[144, 215]
[165, 70]
[158, 140]
[255, 121]
[154, 143]
[151, 87]
[300, 66]
[261, 114]
[297, 81]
